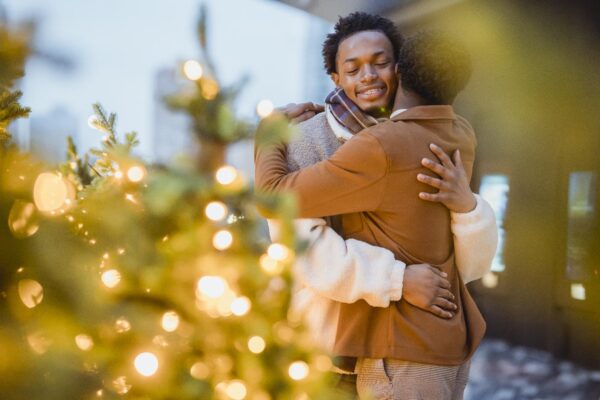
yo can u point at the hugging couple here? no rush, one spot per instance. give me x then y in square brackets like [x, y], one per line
[382, 286]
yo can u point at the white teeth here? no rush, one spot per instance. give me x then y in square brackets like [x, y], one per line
[372, 92]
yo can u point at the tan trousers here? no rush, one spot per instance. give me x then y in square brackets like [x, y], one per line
[388, 379]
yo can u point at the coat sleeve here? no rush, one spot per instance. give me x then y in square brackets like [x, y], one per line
[475, 240]
[351, 180]
[346, 270]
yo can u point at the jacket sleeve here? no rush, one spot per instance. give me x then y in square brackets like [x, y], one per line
[475, 240]
[351, 180]
[346, 270]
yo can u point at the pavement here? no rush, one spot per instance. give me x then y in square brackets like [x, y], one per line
[500, 371]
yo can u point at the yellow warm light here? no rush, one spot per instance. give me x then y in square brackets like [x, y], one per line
[193, 70]
[136, 173]
[236, 390]
[226, 175]
[31, 292]
[578, 291]
[222, 240]
[269, 265]
[212, 286]
[118, 175]
[21, 219]
[298, 370]
[210, 89]
[38, 342]
[170, 321]
[199, 370]
[111, 278]
[84, 342]
[51, 192]
[264, 108]
[278, 252]
[256, 344]
[240, 306]
[130, 197]
[216, 211]
[146, 364]
[121, 386]
[323, 363]
[122, 325]
[490, 280]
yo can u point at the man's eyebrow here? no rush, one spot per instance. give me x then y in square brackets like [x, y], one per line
[376, 54]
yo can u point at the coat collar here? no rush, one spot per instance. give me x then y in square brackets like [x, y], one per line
[426, 112]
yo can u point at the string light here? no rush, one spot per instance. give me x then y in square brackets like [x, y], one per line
[256, 344]
[216, 211]
[199, 370]
[21, 219]
[121, 386]
[136, 173]
[170, 321]
[211, 286]
[298, 370]
[118, 175]
[50, 192]
[84, 342]
[222, 240]
[226, 175]
[236, 390]
[278, 252]
[264, 108]
[31, 292]
[269, 265]
[146, 364]
[111, 278]
[209, 88]
[122, 325]
[193, 70]
[240, 306]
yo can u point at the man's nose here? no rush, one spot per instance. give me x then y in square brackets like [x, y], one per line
[369, 74]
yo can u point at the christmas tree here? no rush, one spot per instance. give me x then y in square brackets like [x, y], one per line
[121, 279]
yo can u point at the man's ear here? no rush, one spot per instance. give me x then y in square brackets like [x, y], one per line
[335, 78]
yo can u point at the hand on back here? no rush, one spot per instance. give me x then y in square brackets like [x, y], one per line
[427, 288]
[297, 113]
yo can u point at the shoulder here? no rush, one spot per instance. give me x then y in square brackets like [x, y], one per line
[462, 124]
[314, 127]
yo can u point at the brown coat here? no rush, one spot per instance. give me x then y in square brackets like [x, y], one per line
[371, 180]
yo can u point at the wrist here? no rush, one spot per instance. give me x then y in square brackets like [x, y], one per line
[467, 206]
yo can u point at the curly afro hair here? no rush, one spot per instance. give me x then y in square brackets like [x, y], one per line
[355, 23]
[434, 66]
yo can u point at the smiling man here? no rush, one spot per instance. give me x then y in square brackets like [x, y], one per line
[361, 57]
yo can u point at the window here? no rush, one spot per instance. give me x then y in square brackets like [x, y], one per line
[494, 189]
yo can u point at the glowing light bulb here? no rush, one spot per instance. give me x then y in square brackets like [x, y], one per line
[323, 363]
[193, 70]
[170, 321]
[146, 364]
[136, 173]
[269, 265]
[84, 342]
[22, 220]
[121, 386]
[50, 192]
[222, 240]
[216, 211]
[212, 286]
[256, 344]
[298, 370]
[122, 325]
[236, 390]
[264, 108]
[226, 175]
[210, 89]
[199, 370]
[111, 278]
[31, 292]
[118, 175]
[240, 306]
[278, 252]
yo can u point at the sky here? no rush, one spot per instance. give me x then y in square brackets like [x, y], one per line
[117, 47]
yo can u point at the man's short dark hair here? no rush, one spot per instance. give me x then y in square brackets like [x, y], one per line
[355, 23]
[434, 66]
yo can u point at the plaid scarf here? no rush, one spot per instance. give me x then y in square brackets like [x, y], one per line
[347, 113]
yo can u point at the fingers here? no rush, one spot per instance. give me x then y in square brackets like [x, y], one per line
[293, 111]
[436, 310]
[441, 154]
[303, 117]
[435, 167]
[431, 181]
[434, 197]
[318, 108]
[437, 271]
[445, 304]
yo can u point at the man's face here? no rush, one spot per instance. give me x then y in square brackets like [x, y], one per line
[366, 71]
